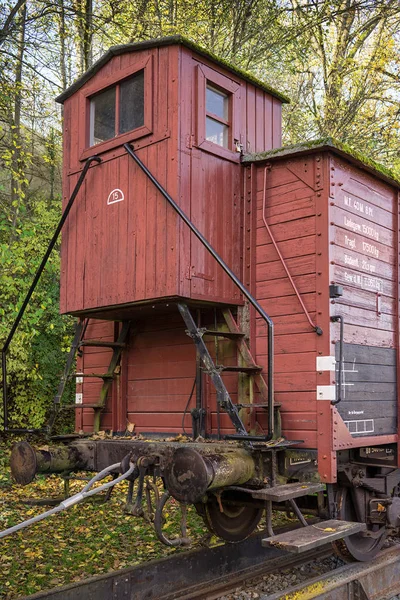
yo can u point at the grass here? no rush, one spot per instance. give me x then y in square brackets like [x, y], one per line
[85, 540]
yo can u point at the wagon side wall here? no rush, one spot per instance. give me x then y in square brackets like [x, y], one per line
[364, 260]
[291, 189]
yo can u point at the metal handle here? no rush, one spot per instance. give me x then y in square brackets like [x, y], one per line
[335, 319]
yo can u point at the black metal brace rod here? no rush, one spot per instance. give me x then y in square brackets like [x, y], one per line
[335, 319]
[32, 289]
[236, 281]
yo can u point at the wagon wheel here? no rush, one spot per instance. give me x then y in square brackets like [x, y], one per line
[355, 547]
[234, 522]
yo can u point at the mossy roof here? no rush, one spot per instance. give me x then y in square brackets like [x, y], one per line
[167, 41]
[333, 145]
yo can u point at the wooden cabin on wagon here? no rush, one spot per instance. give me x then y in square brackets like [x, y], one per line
[310, 231]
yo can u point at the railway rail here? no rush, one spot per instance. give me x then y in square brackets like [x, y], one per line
[379, 580]
[211, 572]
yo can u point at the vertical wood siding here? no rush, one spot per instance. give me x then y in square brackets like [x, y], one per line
[137, 249]
[291, 216]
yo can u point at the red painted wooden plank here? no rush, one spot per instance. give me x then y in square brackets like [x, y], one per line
[354, 334]
[287, 211]
[289, 249]
[286, 343]
[299, 421]
[369, 283]
[305, 381]
[268, 122]
[260, 121]
[366, 318]
[160, 403]
[361, 207]
[250, 114]
[288, 305]
[287, 231]
[157, 387]
[362, 231]
[362, 262]
[282, 287]
[367, 300]
[278, 177]
[165, 353]
[308, 438]
[276, 123]
[364, 185]
[302, 265]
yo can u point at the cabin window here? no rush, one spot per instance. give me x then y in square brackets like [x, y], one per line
[117, 110]
[217, 116]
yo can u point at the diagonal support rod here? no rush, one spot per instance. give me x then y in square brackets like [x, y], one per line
[223, 397]
[32, 289]
[232, 276]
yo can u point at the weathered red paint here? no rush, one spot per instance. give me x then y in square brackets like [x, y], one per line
[137, 250]
[134, 259]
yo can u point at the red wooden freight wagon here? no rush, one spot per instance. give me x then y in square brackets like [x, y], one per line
[310, 231]
[229, 289]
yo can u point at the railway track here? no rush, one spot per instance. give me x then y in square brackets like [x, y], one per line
[211, 572]
[201, 573]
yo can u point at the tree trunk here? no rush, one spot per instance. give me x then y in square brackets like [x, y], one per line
[17, 176]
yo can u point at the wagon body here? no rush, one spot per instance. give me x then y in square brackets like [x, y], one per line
[335, 223]
[311, 231]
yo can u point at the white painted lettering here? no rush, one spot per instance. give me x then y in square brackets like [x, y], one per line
[370, 249]
[349, 260]
[350, 242]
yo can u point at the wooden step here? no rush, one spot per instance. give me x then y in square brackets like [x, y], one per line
[231, 335]
[313, 536]
[282, 493]
[238, 369]
[101, 344]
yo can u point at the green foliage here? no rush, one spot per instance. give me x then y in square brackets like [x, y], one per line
[37, 353]
[338, 61]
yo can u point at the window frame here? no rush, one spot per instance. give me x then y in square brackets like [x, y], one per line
[207, 76]
[112, 81]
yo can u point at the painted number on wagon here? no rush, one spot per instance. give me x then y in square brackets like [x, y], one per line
[115, 196]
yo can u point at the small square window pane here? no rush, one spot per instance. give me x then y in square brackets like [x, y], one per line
[217, 103]
[102, 116]
[131, 103]
[216, 132]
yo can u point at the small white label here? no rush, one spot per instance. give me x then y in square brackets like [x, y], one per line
[115, 196]
[326, 392]
[326, 363]
[78, 398]
[79, 380]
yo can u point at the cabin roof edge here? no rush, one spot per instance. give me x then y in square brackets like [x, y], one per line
[166, 41]
[327, 144]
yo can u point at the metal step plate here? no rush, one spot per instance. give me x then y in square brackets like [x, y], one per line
[281, 493]
[313, 536]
